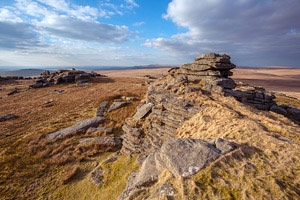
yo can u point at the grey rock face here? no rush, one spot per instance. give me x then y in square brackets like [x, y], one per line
[143, 110]
[185, 157]
[82, 125]
[182, 157]
[278, 110]
[7, 117]
[116, 105]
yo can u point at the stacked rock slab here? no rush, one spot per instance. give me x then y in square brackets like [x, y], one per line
[165, 108]
[211, 70]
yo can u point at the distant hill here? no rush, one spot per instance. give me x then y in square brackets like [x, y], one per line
[22, 72]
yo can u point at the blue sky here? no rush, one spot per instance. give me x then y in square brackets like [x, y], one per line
[39, 33]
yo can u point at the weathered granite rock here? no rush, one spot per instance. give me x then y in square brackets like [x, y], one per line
[182, 157]
[104, 141]
[96, 176]
[112, 159]
[142, 110]
[101, 109]
[185, 157]
[116, 105]
[7, 117]
[82, 125]
[278, 110]
[63, 76]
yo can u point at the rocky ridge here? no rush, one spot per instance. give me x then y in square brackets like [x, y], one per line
[174, 100]
[63, 76]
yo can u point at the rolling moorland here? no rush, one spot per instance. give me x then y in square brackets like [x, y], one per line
[187, 133]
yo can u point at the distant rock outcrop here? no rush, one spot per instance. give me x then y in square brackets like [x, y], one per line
[63, 76]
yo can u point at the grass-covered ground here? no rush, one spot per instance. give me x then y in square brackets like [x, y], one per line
[32, 167]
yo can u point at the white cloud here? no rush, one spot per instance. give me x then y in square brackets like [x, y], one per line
[253, 28]
[18, 35]
[131, 4]
[68, 27]
[138, 23]
[8, 16]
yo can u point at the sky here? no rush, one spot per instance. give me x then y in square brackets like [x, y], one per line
[41, 33]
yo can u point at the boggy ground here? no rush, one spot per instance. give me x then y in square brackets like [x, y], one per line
[32, 167]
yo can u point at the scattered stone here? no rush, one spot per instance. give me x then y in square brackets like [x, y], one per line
[82, 125]
[7, 117]
[116, 105]
[48, 101]
[79, 84]
[15, 91]
[104, 141]
[167, 189]
[142, 110]
[97, 176]
[112, 159]
[149, 76]
[101, 109]
[96, 164]
[118, 100]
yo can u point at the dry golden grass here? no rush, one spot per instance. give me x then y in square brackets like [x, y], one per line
[263, 166]
[27, 160]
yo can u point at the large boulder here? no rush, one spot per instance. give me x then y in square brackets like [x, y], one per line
[181, 157]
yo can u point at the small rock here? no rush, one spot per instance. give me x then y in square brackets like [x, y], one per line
[97, 176]
[48, 101]
[167, 189]
[118, 100]
[129, 98]
[143, 110]
[15, 91]
[7, 117]
[116, 105]
[96, 164]
[101, 109]
[112, 159]
[80, 84]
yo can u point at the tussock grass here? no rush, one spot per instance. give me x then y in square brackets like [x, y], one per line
[27, 160]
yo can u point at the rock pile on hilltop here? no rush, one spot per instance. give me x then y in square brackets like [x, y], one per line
[200, 101]
[168, 109]
[63, 76]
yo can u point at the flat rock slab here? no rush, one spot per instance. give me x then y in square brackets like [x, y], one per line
[143, 110]
[182, 157]
[105, 141]
[7, 117]
[116, 105]
[82, 125]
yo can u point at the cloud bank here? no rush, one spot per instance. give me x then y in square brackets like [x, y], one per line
[262, 30]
